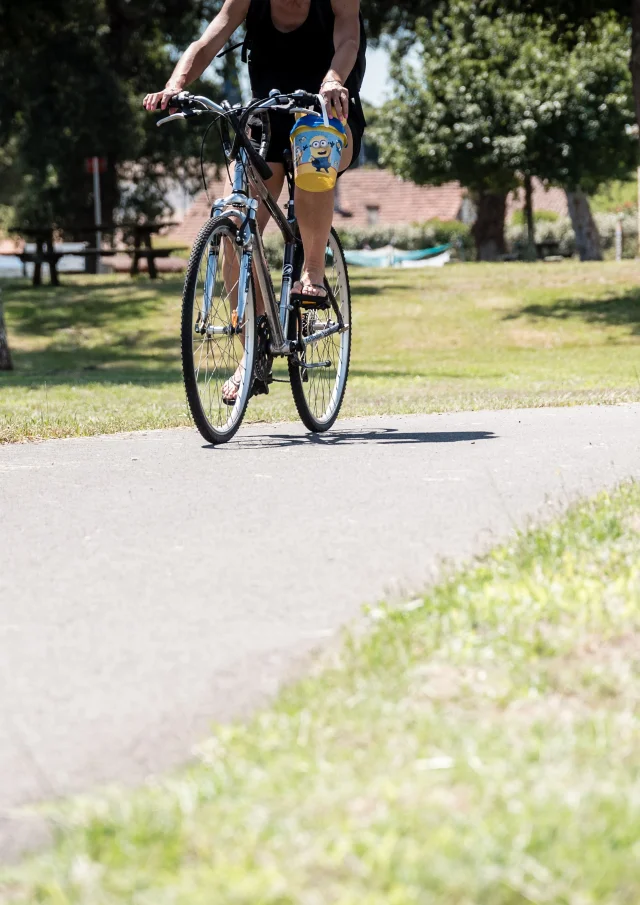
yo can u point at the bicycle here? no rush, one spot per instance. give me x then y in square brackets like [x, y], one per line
[221, 334]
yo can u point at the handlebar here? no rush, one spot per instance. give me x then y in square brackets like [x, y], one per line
[195, 105]
[189, 105]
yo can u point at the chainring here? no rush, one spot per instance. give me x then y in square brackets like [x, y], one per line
[263, 370]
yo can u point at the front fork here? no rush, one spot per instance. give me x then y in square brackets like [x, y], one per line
[244, 278]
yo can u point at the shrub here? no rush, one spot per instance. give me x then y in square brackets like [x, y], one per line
[518, 218]
[408, 238]
[561, 231]
[411, 237]
[6, 219]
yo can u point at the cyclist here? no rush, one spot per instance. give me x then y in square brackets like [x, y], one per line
[316, 45]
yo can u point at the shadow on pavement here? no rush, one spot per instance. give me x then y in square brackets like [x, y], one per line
[387, 436]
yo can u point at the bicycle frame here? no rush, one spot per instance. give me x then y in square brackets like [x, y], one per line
[240, 205]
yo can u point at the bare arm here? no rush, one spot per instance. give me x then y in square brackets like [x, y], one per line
[346, 42]
[201, 53]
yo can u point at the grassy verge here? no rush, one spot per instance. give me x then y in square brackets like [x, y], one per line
[101, 354]
[479, 745]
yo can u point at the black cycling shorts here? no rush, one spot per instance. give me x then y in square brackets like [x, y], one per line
[281, 125]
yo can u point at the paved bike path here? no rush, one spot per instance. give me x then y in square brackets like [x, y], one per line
[149, 584]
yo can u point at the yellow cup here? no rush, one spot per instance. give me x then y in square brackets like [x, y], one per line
[317, 149]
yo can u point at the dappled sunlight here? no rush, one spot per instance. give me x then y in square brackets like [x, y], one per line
[466, 337]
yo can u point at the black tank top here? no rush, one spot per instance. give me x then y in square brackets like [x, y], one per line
[300, 58]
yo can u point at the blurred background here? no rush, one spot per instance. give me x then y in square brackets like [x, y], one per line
[511, 124]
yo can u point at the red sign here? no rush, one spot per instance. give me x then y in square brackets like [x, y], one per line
[89, 164]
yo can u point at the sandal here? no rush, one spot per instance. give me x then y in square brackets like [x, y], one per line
[307, 300]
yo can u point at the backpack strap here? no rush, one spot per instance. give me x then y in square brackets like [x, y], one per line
[257, 9]
[227, 50]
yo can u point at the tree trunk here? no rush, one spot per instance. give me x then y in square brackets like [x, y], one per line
[5, 355]
[488, 230]
[528, 213]
[635, 54]
[584, 227]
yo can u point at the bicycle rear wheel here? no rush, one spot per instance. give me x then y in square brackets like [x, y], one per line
[319, 388]
[215, 348]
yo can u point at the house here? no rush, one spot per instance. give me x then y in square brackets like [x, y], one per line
[371, 197]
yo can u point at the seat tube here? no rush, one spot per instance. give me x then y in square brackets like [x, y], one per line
[287, 282]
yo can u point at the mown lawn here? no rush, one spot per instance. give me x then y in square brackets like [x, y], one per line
[481, 744]
[102, 354]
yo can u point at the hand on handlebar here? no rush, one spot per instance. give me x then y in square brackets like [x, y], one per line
[160, 98]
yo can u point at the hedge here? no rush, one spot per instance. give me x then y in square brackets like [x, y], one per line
[561, 231]
[408, 238]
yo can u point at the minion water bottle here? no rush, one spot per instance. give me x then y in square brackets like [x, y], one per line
[317, 144]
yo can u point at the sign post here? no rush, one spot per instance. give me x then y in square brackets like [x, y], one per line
[95, 166]
[97, 204]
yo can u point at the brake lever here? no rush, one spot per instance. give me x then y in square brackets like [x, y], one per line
[180, 115]
[168, 119]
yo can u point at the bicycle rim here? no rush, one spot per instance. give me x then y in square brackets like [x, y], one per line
[214, 349]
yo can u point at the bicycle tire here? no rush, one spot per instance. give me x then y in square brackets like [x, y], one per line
[303, 395]
[224, 227]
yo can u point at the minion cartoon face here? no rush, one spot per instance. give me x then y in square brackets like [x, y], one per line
[320, 153]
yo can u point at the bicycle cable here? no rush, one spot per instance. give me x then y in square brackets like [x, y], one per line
[202, 146]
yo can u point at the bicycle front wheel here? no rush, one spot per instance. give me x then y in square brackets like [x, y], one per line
[218, 351]
[319, 381]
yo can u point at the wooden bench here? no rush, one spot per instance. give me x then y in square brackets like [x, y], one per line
[150, 254]
[550, 248]
[52, 259]
[46, 252]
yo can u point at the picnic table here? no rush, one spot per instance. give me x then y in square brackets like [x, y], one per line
[47, 253]
[548, 248]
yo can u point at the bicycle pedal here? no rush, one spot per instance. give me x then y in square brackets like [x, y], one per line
[261, 387]
[324, 305]
[306, 304]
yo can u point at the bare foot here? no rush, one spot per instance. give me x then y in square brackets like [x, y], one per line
[312, 283]
[232, 387]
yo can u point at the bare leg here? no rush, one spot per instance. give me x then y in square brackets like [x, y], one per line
[231, 270]
[314, 212]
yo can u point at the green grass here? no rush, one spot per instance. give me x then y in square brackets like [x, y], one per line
[480, 744]
[102, 354]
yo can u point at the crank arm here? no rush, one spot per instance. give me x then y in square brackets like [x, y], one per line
[314, 366]
[323, 334]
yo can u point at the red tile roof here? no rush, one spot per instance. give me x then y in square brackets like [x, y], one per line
[396, 201]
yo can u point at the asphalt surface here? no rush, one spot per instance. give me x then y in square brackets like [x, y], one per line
[150, 585]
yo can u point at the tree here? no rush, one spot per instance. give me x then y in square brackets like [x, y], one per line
[580, 114]
[5, 353]
[77, 71]
[498, 99]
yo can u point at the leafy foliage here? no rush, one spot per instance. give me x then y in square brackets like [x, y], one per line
[77, 71]
[388, 17]
[495, 98]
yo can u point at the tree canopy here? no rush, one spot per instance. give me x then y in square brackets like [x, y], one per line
[74, 73]
[494, 99]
